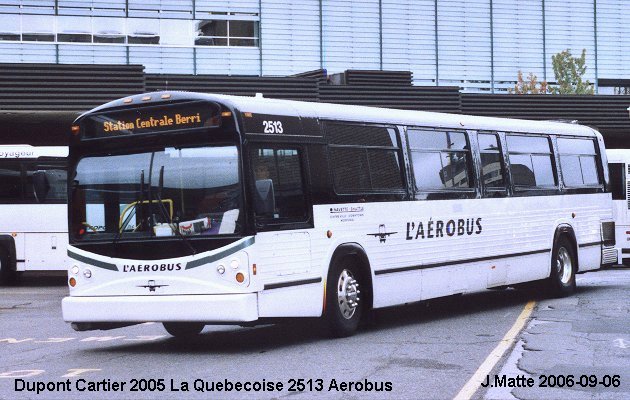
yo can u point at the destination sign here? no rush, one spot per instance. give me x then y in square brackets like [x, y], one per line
[152, 120]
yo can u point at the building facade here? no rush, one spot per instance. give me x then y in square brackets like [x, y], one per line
[479, 45]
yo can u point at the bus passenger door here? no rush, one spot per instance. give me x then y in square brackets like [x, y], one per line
[282, 216]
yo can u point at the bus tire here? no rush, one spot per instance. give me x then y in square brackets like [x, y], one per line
[561, 281]
[344, 305]
[8, 275]
[183, 329]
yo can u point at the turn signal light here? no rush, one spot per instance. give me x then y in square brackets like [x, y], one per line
[72, 282]
[75, 129]
[240, 278]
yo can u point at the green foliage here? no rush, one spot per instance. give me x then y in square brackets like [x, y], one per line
[529, 86]
[569, 71]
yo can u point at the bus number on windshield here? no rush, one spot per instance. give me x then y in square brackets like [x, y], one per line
[272, 127]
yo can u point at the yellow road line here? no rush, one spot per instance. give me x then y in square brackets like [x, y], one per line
[493, 358]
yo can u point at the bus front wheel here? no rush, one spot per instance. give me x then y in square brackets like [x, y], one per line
[344, 303]
[563, 266]
[8, 275]
[183, 329]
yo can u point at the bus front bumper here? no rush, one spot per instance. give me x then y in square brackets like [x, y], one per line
[185, 308]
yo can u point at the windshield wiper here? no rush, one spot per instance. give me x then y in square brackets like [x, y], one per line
[132, 212]
[167, 215]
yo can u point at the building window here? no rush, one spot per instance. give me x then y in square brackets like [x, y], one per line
[218, 32]
[222, 31]
[143, 31]
[74, 29]
[38, 28]
[9, 27]
[108, 30]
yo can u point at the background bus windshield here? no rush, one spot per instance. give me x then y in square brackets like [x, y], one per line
[170, 192]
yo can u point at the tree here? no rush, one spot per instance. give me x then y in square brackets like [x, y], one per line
[569, 71]
[531, 86]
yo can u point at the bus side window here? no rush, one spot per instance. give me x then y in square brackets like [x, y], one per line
[531, 162]
[11, 183]
[364, 158]
[617, 181]
[56, 181]
[441, 160]
[278, 186]
[492, 167]
[578, 162]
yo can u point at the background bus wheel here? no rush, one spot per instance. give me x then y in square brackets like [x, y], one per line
[563, 267]
[183, 329]
[8, 275]
[344, 304]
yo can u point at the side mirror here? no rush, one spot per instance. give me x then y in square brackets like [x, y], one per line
[264, 201]
[41, 186]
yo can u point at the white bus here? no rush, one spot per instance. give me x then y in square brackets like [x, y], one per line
[33, 223]
[619, 167]
[193, 209]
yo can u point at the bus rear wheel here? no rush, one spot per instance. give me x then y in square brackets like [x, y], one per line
[561, 282]
[183, 329]
[344, 306]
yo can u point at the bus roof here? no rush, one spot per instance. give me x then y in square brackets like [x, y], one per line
[618, 155]
[328, 111]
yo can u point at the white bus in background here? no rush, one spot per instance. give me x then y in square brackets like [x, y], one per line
[33, 223]
[191, 209]
[618, 166]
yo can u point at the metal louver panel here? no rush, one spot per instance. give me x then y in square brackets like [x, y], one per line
[66, 87]
[609, 256]
[350, 34]
[290, 36]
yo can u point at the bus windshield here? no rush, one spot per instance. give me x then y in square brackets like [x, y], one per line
[172, 191]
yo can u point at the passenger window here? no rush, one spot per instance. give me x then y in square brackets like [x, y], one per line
[364, 158]
[491, 165]
[578, 161]
[11, 183]
[56, 181]
[617, 181]
[440, 159]
[278, 186]
[531, 162]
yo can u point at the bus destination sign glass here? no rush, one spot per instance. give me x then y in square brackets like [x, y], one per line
[152, 120]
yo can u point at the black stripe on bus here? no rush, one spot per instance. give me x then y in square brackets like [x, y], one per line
[93, 262]
[294, 283]
[444, 264]
[590, 244]
[221, 254]
[625, 251]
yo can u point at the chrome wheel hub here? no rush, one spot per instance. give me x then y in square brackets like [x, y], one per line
[347, 294]
[564, 265]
